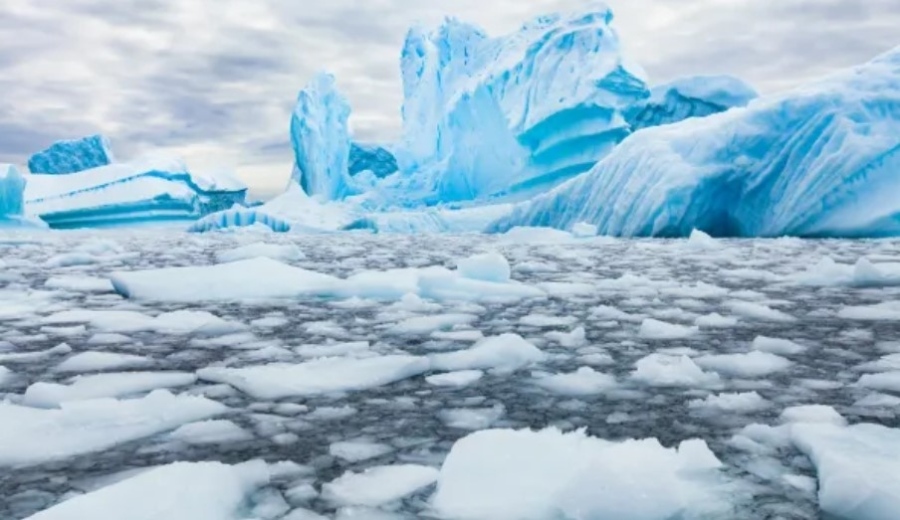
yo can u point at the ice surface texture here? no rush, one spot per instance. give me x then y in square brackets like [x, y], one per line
[486, 116]
[144, 191]
[72, 156]
[821, 160]
[236, 218]
[320, 139]
[373, 158]
[693, 96]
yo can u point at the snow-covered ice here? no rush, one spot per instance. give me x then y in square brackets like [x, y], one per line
[379, 485]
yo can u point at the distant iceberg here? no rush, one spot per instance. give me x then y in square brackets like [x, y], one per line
[510, 116]
[12, 201]
[693, 96]
[819, 161]
[146, 191]
[72, 156]
[321, 140]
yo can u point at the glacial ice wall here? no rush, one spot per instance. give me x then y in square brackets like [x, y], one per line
[692, 96]
[72, 156]
[821, 160]
[321, 140]
[511, 116]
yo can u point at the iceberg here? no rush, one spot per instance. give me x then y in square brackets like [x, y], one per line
[510, 116]
[149, 190]
[72, 156]
[693, 96]
[321, 140]
[818, 161]
[237, 218]
[12, 203]
[368, 157]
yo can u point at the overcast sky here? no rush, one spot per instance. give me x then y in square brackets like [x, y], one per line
[215, 80]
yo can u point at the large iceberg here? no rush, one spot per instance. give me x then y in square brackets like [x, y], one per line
[693, 96]
[72, 156]
[150, 190]
[321, 139]
[510, 116]
[821, 160]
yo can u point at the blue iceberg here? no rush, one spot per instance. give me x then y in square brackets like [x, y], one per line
[820, 161]
[321, 140]
[369, 157]
[72, 156]
[508, 117]
[147, 191]
[237, 218]
[693, 96]
[12, 199]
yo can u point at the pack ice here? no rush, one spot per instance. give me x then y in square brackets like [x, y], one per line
[820, 160]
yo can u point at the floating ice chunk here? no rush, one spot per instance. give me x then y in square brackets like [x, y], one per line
[79, 284]
[584, 381]
[886, 381]
[304, 514]
[49, 395]
[321, 376]
[455, 379]
[749, 365]
[655, 329]
[605, 312]
[716, 320]
[505, 353]
[358, 450]
[270, 322]
[218, 431]
[700, 241]
[472, 418]
[99, 361]
[282, 252]
[745, 402]
[782, 347]
[239, 218]
[71, 260]
[856, 466]
[177, 322]
[353, 348]
[27, 357]
[428, 324]
[667, 370]
[216, 492]
[886, 311]
[756, 311]
[814, 413]
[828, 273]
[458, 335]
[506, 475]
[574, 339]
[888, 363]
[584, 230]
[379, 485]
[33, 436]
[543, 320]
[487, 267]
[108, 338]
[876, 400]
[332, 413]
[258, 278]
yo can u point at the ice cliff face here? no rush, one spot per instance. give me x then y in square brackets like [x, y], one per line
[694, 96]
[12, 187]
[822, 160]
[373, 158]
[511, 115]
[72, 156]
[321, 140]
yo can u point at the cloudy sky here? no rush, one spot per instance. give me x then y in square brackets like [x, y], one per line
[214, 80]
